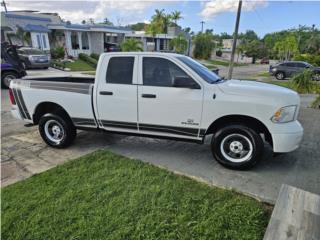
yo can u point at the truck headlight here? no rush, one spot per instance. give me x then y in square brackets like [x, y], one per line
[284, 114]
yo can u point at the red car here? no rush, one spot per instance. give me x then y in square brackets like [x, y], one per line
[264, 61]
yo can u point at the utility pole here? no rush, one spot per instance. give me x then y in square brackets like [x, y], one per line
[202, 22]
[5, 6]
[235, 37]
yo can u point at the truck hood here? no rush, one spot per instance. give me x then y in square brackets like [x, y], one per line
[270, 92]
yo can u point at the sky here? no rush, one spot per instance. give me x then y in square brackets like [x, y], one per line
[262, 16]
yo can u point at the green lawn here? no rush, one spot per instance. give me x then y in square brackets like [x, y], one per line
[225, 63]
[79, 65]
[107, 196]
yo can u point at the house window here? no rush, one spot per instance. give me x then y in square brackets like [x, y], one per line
[39, 41]
[85, 41]
[74, 40]
[44, 42]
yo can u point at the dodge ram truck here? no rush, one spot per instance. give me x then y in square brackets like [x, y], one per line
[163, 95]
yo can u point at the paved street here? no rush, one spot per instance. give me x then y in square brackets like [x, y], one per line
[24, 154]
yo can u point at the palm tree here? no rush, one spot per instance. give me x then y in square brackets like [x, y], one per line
[176, 16]
[179, 44]
[158, 16]
[131, 45]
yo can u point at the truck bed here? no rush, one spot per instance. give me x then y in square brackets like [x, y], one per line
[73, 94]
[67, 79]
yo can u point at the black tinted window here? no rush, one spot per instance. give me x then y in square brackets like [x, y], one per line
[161, 72]
[300, 65]
[120, 70]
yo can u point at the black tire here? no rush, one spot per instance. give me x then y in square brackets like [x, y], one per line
[280, 75]
[52, 122]
[6, 76]
[229, 140]
[316, 76]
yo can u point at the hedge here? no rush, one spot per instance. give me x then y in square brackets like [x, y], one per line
[91, 61]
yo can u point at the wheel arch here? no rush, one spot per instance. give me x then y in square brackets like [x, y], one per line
[48, 107]
[248, 121]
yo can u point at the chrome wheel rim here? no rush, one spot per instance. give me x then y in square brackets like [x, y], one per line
[236, 148]
[280, 75]
[7, 79]
[54, 131]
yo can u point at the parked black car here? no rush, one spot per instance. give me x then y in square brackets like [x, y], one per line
[290, 68]
[11, 66]
[33, 58]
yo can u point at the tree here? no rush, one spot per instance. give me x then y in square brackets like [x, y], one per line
[131, 45]
[248, 36]
[83, 21]
[106, 21]
[176, 16]
[91, 21]
[179, 43]
[140, 26]
[286, 47]
[203, 45]
[255, 49]
[160, 22]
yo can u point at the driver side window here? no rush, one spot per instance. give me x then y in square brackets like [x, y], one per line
[161, 72]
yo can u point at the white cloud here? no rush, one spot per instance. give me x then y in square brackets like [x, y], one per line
[123, 12]
[215, 7]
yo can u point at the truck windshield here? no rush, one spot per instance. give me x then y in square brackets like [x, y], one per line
[201, 70]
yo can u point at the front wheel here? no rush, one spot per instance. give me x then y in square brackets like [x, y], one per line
[57, 131]
[237, 147]
[280, 75]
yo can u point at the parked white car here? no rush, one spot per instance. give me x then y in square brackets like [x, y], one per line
[167, 96]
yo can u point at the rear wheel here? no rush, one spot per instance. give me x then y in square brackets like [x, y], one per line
[237, 147]
[56, 130]
[6, 78]
[280, 75]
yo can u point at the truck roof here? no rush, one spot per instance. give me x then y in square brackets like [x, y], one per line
[143, 53]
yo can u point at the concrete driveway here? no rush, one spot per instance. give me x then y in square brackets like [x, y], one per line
[24, 154]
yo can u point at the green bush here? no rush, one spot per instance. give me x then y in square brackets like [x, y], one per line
[303, 83]
[91, 61]
[57, 53]
[316, 103]
[219, 53]
[203, 45]
[95, 56]
[310, 58]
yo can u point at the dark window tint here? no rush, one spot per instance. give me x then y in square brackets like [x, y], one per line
[161, 72]
[291, 64]
[120, 70]
[300, 65]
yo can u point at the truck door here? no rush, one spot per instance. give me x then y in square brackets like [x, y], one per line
[165, 109]
[117, 94]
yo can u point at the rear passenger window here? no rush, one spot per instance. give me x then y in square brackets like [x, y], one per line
[120, 70]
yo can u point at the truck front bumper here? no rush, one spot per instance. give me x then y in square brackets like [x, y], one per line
[288, 140]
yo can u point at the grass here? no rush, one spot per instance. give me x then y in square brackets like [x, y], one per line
[264, 74]
[316, 103]
[107, 196]
[79, 65]
[225, 63]
[90, 73]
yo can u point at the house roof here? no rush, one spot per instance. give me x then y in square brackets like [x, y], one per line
[18, 16]
[34, 28]
[90, 28]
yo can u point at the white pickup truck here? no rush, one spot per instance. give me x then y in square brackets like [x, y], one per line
[167, 96]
